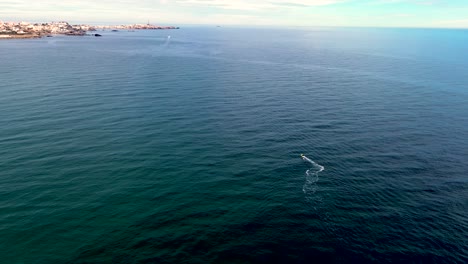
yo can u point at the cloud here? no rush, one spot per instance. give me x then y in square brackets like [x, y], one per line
[256, 5]
[425, 13]
[413, 2]
[454, 23]
[402, 15]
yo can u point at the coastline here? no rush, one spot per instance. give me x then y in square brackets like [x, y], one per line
[26, 36]
[26, 30]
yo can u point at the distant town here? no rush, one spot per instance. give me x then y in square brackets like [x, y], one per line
[19, 30]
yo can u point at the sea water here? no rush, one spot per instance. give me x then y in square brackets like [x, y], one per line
[184, 146]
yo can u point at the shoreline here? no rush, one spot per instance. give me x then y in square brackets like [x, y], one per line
[27, 36]
[26, 30]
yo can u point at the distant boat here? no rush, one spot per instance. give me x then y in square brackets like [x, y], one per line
[114, 30]
[97, 35]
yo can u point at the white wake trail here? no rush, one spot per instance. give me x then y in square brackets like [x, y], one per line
[312, 176]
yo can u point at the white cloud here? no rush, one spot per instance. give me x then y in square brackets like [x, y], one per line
[415, 2]
[454, 23]
[257, 5]
[402, 15]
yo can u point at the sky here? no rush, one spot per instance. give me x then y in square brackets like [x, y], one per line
[355, 13]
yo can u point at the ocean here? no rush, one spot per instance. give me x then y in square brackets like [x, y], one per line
[183, 146]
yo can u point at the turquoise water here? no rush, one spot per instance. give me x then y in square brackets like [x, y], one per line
[142, 148]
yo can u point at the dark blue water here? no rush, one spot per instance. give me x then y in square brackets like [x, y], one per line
[140, 148]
